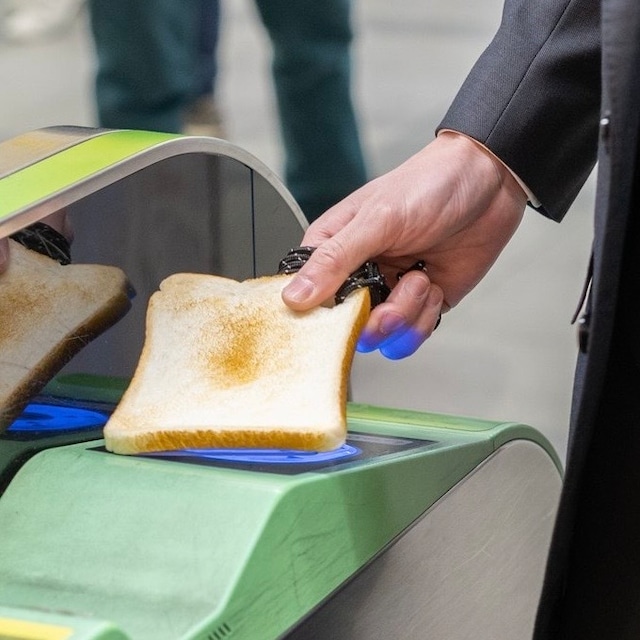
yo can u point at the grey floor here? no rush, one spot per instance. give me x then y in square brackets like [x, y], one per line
[507, 351]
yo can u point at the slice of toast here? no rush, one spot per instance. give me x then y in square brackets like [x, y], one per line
[228, 364]
[48, 312]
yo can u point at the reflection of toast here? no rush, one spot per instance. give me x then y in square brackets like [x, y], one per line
[48, 312]
[228, 364]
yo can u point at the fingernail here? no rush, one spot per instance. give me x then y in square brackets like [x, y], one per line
[417, 287]
[390, 322]
[299, 289]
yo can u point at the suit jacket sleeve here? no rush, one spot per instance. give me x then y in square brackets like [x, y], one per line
[533, 97]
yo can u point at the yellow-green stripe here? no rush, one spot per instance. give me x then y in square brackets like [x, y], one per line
[51, 175]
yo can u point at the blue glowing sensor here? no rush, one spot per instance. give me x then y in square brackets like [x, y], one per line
[266, 456]
[54, 418]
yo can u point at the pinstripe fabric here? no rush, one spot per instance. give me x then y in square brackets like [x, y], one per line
[554, 71]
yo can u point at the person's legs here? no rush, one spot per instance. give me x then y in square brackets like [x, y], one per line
[208, 36]
[147, 61]
[312, 75]
[202, 117]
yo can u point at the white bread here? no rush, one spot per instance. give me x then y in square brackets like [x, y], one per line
[48, 312]
[228, 364]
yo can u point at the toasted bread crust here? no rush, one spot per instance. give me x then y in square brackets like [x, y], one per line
[167, 440]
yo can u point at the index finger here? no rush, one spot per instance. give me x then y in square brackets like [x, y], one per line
[332, 262]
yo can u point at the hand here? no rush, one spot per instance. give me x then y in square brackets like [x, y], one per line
[58, 220]
[452, 205]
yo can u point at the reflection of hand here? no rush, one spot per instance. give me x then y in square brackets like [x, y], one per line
[58, 221]
[452, 205]
[4, 253]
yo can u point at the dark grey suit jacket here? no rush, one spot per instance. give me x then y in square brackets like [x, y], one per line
[558, 87]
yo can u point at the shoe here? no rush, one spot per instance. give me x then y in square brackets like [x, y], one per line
[203, 118]
[31, 20]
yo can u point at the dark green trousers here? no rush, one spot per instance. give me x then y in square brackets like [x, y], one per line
[148, 73]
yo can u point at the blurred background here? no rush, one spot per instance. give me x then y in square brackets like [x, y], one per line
[507, 351]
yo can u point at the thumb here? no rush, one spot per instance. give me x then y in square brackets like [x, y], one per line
[319, 278]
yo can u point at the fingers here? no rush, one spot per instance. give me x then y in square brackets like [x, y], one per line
[58, 221]
[318, 279]
[401, 324]
[332, 262]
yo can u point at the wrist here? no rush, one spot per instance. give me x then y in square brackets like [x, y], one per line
[506, 177]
